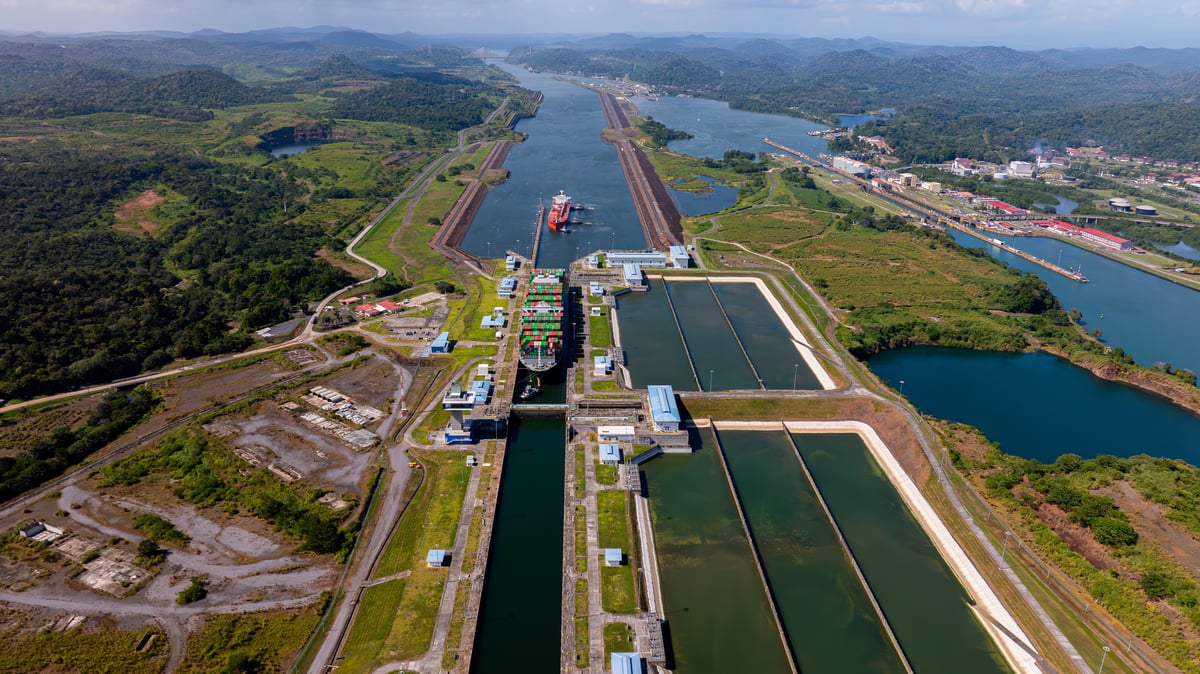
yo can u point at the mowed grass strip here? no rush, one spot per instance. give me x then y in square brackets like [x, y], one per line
[600, 331]
[371, 625]
[617, 594]
[406, 623]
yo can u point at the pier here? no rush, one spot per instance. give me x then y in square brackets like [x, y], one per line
[537, 235]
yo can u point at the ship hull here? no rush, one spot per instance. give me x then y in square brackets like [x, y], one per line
[543, 316]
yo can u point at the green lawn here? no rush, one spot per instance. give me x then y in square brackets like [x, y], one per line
[605, 475]
[399, 624]
[618, 638]
[600, 331]
[617, 592]
[270, 639]
[616, 589]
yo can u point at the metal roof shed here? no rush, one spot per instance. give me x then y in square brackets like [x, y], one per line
[436, 558]
[610, 454]
[441, 344]
[613, 557]
[664, 413]
[626, 663]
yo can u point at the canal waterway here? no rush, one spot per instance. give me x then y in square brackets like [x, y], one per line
[716, 128]
[770, 346]
[924, 602]
[521, 612]
[563, 151]
[825, 609]
[1039, 406]
[1143, 314]
[715, 607]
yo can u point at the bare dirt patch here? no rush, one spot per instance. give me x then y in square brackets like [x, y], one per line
[189, 393]
[1078, 538]
[1150, 520]
[372, 384]
[351, 266]
[131, 216]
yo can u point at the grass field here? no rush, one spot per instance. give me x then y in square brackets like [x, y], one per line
[618, 638]
[600, 331]
[766, 229]
[617, 592]
[396, 618]
[605, 475]
[270, 640]
[102, 651]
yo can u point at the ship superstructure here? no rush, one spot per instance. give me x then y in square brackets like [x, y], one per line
[560, 212]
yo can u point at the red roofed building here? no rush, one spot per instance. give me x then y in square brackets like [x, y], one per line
[368, 310]
[347, 301]
[389, 306]
[1001, 206]
[1106, 239]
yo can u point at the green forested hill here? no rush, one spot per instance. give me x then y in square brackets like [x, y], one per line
[81, 303]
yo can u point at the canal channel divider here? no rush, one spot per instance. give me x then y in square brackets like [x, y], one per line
[837, 529]
[687, 351]
[758, 563]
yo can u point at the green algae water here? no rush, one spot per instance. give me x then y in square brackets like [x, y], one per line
[766, 339]
[825, 610]
[521, 612]
[650, 340]
[715, 607]
[714, 349]
[923, 601]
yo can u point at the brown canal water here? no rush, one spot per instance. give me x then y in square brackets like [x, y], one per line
[825, 609]
[717, 613]
[923, 601]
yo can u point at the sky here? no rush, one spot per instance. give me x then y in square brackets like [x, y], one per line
[1022, 24]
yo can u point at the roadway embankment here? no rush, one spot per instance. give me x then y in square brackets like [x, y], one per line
[655, 210]
[450, 235]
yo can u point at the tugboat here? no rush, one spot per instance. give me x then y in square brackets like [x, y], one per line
[528, 392]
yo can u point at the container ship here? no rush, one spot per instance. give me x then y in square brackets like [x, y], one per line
[560, 212]
[542, 318]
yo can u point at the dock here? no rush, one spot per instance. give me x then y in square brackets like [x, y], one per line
[537, 235]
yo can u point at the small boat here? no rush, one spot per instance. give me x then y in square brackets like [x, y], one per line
[529, 392]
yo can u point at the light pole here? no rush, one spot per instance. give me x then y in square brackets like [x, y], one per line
[1103, 657]
[614, 240]
[489, 245]
[1004, 552]
[710, 377]
[901, 388]
[795, 374]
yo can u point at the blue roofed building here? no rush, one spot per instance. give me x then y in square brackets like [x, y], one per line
[601, 366]
[441, 344]
[482, 389]
[613, 557]
[610, 453]
[508, 286]
[664, 412]
[436, 558]
[679, 258]
[633, 275]
[626, 663]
